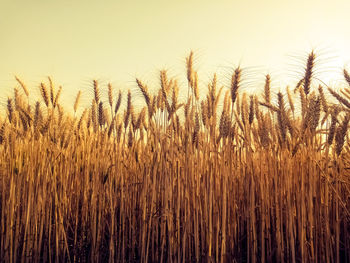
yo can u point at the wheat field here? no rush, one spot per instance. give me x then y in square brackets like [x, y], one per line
[217, 176]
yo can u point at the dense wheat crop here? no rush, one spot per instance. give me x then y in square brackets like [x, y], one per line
[217, 175]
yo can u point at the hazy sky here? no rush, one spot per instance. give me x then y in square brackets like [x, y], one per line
[115, 41]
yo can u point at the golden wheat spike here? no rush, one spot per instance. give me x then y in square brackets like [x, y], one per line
[24, 87]
[77, 100]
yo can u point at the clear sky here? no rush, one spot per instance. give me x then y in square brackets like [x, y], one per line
[76, 41]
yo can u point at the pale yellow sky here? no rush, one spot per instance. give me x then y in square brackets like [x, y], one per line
[116, 41]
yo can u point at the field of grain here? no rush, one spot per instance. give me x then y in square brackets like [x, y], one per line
[221, 176]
